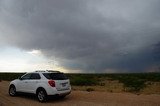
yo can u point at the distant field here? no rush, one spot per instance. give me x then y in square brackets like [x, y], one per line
[148, 83]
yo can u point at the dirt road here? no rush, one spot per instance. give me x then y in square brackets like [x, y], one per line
[81, 98]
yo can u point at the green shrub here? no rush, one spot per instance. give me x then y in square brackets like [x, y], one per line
[10, 76]
[133, 84]
[83, 81]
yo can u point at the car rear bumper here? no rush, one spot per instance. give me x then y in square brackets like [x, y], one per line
[54, 91]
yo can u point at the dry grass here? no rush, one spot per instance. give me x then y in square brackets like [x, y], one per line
[152, 88]
[107, 86]
[116, 87]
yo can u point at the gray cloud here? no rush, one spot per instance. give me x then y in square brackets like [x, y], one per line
[92, 36]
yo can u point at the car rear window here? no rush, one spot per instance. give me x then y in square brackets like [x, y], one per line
[55, 76]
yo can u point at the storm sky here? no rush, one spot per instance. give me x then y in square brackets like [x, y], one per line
[85, 35]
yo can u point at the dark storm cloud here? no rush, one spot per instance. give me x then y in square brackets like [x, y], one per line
[92, 36]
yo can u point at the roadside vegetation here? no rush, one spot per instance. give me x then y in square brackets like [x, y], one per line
[131, 82]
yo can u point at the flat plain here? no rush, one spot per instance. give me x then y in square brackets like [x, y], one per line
[81, 98]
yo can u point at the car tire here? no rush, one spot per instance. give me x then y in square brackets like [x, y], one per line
[41, 95]
[12, 90]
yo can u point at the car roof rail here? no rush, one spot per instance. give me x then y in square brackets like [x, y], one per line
[40, 71]
[53, 71]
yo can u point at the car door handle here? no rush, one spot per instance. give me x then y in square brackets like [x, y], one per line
[25, 82]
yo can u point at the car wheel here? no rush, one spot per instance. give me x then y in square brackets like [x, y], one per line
[12, 90]
[41, 95]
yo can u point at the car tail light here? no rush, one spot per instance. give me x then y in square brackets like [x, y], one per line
[51, 83]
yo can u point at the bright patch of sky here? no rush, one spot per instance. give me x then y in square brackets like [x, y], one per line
[15, 60]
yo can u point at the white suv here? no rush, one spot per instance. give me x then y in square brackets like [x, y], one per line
[41, 83]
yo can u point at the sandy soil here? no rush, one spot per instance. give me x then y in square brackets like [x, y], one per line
[81, 98]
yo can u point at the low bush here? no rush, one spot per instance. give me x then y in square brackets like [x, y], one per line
[83, 80]
[89, 89]
[133, 84]
[10, 76]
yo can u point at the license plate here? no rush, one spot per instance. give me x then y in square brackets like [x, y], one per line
[64, 84]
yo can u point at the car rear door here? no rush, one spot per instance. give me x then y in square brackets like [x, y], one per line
[32, 83]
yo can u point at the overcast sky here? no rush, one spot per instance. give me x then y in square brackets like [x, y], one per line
[81, 35]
